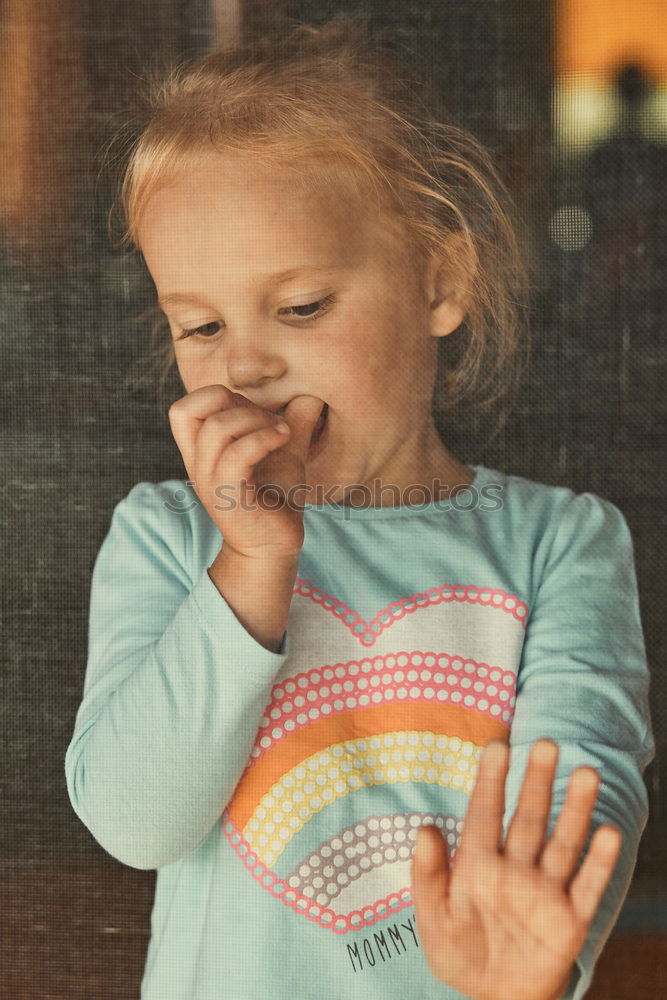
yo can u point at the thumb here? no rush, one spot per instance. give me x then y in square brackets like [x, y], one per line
[301, 415]
[430, 879]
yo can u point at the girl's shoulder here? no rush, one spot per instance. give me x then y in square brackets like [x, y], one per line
[167, 507]
[176, 496]
[522, 491]
[548, 508]
[163, 510]
[168, 519]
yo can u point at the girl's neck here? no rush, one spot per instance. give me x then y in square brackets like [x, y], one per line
[435, 475]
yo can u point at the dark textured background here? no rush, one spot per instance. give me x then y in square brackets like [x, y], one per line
[82, 421]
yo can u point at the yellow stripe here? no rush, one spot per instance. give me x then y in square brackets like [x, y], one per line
[342, 768]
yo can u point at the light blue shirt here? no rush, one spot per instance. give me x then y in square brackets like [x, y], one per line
[278, 793]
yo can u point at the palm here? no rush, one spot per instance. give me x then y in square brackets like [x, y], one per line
[492, 930]
[508, 922]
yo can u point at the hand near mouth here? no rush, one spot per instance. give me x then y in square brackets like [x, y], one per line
[285, 468]
[301, 415]
[250, 477]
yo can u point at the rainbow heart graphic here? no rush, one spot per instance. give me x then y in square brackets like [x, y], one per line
[354, 754]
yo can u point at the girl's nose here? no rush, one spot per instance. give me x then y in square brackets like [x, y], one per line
[249, 366]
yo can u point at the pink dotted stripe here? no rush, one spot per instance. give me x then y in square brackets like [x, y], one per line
[368, 632]
[339, 923]
[356, 685]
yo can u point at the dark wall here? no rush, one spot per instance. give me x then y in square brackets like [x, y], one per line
[82, 421]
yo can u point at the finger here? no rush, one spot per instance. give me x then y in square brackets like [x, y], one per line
[482, 829]
[592, 879]
[232, 442]
[525, 837]
[187, 415]
[564, 847]
[430, 879]
[302, 414]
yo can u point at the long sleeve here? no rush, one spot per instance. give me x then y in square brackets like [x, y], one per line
[173, 696]
[583, 681]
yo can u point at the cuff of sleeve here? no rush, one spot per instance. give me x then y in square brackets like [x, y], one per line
[582, 974]
[580, 979]
[605, 919]
[222, 625]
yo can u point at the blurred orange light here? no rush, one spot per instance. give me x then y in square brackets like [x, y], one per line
[595, 37]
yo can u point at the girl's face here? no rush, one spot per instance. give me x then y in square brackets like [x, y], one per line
[293, 294]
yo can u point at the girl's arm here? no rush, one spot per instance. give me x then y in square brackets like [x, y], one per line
[583, 683]
[174, 691]
[258, 590]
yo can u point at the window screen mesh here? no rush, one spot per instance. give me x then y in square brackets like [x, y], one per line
[82, 419]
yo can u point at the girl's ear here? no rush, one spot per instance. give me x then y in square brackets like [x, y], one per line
[449, 284]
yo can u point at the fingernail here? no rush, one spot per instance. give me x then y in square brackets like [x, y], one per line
[282, 427]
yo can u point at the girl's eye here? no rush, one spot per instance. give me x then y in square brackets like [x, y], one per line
[199, 331]
[312, 311]
[319, 307]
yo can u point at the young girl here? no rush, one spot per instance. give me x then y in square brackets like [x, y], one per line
[305, 671]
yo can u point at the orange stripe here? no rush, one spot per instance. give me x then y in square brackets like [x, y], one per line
[449, 720]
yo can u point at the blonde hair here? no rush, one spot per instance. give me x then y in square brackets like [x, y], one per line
[333, 103]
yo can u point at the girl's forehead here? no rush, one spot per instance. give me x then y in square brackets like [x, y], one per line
[225, 188]
[251, 204]
[243, 205]
[265, 176]
[195, 229]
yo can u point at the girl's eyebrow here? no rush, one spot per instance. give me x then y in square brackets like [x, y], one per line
[180, 298]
